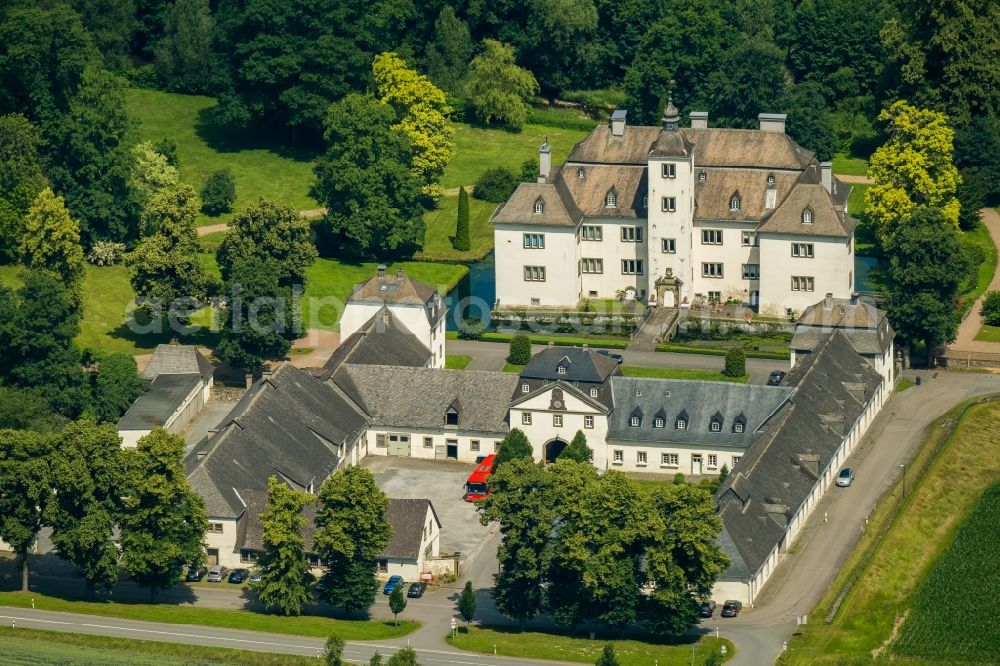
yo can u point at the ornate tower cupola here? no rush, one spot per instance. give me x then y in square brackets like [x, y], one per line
[671, 118]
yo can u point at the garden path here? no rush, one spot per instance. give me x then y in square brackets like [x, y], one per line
[971, 325]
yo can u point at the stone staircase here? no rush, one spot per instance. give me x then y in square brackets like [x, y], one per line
[653, 329]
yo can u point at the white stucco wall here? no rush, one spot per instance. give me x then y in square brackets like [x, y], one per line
[439, 441]
[676, 225]
[559, 257]
[413, 316]
[225, 542]
[831, 267]
[543, 430]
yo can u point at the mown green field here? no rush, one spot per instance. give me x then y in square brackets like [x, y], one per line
[849, 166]
[682, 373]
[439, 234]
[947, 620]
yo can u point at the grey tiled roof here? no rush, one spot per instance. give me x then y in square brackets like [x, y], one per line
[392, 288]
[698, 403]
[288, 424]
[582, 365]
[159, 402]
[558, 208]
[419, 397]
[176, 360]
[827, 220]
[866, 326]
[775, 476]
[383, 340]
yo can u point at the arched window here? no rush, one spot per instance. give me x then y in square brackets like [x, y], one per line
[807, 216]
[734, 202]
[539, 207]
[610, 199]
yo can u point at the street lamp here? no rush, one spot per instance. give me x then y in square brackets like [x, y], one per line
[904, 479]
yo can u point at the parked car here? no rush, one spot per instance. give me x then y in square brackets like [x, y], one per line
[392, 584]
[196, 573]
[774, 379]
[239, 575]
[846, 477]
[254, 576]
[707, 608]
[416, 589]
[217, 574]
[731, 608]
[610, 354]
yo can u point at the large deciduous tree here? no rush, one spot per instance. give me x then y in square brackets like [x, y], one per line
[115, 386]
[21, 179]
[364, 180]
[25, 491]
[162, 520]
[513, 446]
[186, 47]
[740, 93]
[447, 56]
[51, 241]
[269, 232]
[422, 113]
[88, 482]
[284, 570]
[151, 173]
[913, 168]
[351, 530]
[577, 450]
[498, 89]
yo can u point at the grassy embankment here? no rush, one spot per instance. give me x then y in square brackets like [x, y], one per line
[902, 544]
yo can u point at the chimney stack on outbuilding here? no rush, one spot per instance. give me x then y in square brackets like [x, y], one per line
[826, 175]
[618, 122]
[544, 161]
[699, 119]
[828, 301]
[381, 271]
[772, 122]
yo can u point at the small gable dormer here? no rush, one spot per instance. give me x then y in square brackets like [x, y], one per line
[715, 423]
[635, 419]
[807, 216]
[660, 419]
[539, 206]
[580, 173]
[611, 198]
[735, 202]
[682, 420]
[740, 424]
[451, 414]
[562, 368]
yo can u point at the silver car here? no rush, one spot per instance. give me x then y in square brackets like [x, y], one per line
[217, 574]
[844, 479]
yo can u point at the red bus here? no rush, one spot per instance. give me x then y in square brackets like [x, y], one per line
[477, 486]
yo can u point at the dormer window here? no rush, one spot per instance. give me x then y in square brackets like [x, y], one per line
[539, 207]
[579, 173]
[739, 424]
[638, 393]
[634, 421]
[451, 417]
[525, 388]
[734, 203]
[770, 179]
[716, 426]
[561, 369]
[807, 216]
[702, 176]
[658, 422]
[738, 427]
[610, 199]
[593, 392]
[682, 424]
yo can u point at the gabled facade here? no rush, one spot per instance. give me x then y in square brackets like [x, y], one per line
[674, 215]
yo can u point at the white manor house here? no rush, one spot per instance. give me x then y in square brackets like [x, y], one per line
[676, 216]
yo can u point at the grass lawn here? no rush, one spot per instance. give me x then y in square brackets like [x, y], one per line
[560, 340]
[261, 169]
[478, 149]
[903, 385]
[902, 543]
[849, 166]
[989, 333]
[984, 275]
[680, 373]
[512, 367]
[33, 646]
[440, 231]
[538, 645]
[456, 361]
[302, 625]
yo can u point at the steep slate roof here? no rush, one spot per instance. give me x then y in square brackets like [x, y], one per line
[159, 402]
[558, 209]
[712, 195]
[393, 288]
[405, 515]
[582, 365]
[288, 424]
[589, 192]
[865, 326]
[787, 219]
[701, 401]
[177, 360]
[419, 397]
[383, 340]
[601, 147]
[720, 147]
[775, 476]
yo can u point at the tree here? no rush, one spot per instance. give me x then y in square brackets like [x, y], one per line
[529, 170]
[462, 228]
[333, 653]
[913, 168]
[723, 473]
[406, 656]
[284, 569]
[186, 47]
[520, 503]
[809, 122]
[114, 387]
[351, 530]
[88, 487]
[151, 172]
[163, 520]
[422, 114]
[20, 410]
[110, 24]
[578, 449]
[447, 58]
[168, 148]
[25, 489]
[364, 179]
[991, 308]
[269, 232]
[467, 603]
[21, 179]
[397, 602]
[376, 659]
[520, 350]
[260, 321]
[607, 657]
[219, 192]
[736, 362]
[51, 240]
[513, 446]
[741, 92]
[495, 185]
[926, 268]
[498, 89]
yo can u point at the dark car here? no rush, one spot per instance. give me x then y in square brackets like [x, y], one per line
[196, 573]
[416, 589]
[392, 584]
[774, 379]
[239, 575]
[707, 608]
[731, 608]
[609, 354]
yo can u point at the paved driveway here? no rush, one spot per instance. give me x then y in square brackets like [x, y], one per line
[443, 483]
